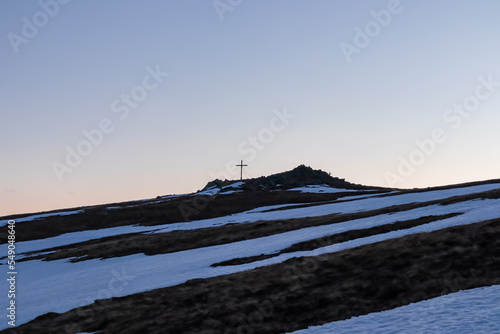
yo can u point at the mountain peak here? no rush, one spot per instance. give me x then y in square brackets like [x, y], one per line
[300, 176]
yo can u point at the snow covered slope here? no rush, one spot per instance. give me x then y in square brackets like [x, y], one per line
[53, 279]
[470, 311]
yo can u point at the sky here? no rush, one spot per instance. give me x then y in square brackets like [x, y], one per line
[109, 101]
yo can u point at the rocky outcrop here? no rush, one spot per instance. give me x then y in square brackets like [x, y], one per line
[298, 177]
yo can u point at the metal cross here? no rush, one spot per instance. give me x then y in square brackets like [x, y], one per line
[241, 165]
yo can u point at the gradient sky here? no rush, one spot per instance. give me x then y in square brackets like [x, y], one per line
[230, 72]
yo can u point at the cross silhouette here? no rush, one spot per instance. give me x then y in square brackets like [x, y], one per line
[241, 165]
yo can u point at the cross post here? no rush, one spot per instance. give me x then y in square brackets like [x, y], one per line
[241, 165]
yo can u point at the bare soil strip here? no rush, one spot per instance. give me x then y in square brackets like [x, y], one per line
[150, 213]
[182, 209]
[300, 292]
[338, 238]
[175, 241]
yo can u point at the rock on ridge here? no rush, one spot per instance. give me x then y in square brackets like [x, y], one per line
[298, 177]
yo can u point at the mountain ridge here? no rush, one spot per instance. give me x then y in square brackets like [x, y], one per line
[302, 240]
[260, 183]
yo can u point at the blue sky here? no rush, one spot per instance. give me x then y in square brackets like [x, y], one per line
[235, 68]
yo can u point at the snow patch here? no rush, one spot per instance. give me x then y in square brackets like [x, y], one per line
[208, 192]
[45, 215]
[321, 189]
[234, 185]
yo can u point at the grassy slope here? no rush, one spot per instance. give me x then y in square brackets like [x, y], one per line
[278, 298]
[301, 291]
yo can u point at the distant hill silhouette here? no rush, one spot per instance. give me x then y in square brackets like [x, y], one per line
[298, 177]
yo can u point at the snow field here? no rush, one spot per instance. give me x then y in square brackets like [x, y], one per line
[463, 312]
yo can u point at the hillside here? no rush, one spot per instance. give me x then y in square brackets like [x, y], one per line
[275, 254]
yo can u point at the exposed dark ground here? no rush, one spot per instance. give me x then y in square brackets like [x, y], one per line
[338, 238]
[151, 214]
[161, 243]
[174, 241]
[187, 208]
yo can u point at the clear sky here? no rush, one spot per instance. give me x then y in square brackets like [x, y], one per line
[107, 101]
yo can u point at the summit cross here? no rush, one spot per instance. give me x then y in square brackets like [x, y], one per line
[241, 165]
